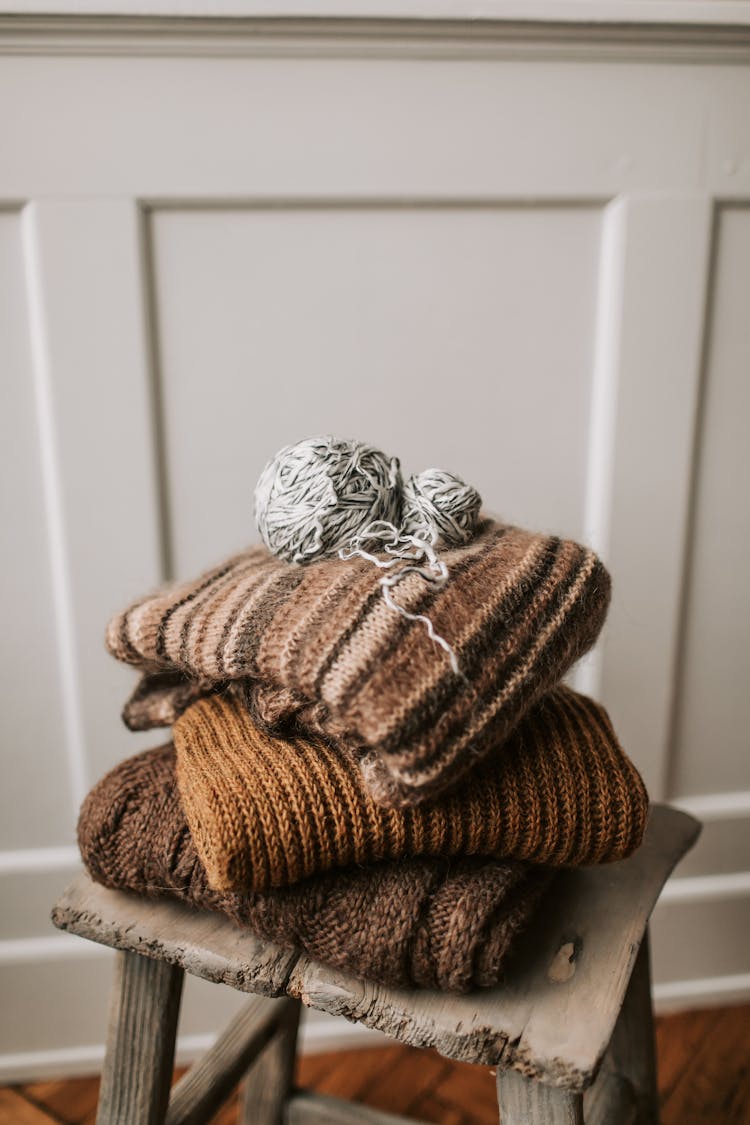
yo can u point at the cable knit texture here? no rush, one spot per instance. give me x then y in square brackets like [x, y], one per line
[266, 812]
[319, 644]
[422, 923]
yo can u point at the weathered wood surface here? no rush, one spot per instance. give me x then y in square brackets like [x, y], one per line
[610, 1101]
[210, 1081]
[632, 1050]
[271, 1078]
[553, 1019]
[143, 1013]
[204, 944]
[524, 1101]
[318, 1109]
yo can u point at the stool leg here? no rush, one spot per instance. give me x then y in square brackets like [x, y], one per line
[632, 1051]
[143, 1012]
[523, 1101]
[270, 1079]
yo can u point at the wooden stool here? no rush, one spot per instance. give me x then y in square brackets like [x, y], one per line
[576, 1008]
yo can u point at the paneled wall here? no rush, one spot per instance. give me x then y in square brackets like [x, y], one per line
[515, 252]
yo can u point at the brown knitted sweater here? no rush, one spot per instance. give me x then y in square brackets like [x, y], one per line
[266, 812]
[319, 642]
[422, 923]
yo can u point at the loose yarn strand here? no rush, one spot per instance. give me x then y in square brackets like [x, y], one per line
[386, 585]
[403, 548]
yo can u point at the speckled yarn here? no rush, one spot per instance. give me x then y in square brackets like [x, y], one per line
[324, 495]
[439, 507]
[314, 497]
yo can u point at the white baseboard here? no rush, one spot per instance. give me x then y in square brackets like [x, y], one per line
[62, 1062]
[319, 1033]
[706, 992]
[325, 1033]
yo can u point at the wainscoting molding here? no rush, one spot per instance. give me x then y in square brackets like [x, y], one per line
[517, 245]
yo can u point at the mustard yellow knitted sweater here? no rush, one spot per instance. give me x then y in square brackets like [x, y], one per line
[266, 812]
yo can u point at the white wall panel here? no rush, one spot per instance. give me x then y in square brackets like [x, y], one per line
[60, 1010]
[27, 896]
[663, 253]
[693, 939]
[247, 126]
[36, 803]
[44, 998]
[413, 328]
[724, 846]
[713, 716]
[92, 367]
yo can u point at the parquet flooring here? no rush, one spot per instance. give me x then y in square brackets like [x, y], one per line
[704, 1079]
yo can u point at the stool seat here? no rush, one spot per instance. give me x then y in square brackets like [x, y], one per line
[551, 1022]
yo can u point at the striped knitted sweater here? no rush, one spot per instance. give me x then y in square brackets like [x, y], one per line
[318, 644]
[266, 812]
[424, 923]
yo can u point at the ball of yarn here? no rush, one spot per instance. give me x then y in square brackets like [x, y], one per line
[315, 497]
[439, 507]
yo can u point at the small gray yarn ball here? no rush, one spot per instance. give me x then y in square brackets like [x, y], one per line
[439, 507]
[314, 497]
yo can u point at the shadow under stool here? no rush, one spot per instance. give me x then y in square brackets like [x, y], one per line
[570, 1031]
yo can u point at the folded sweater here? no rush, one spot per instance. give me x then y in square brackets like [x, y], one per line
[268, 812]
[320, 643]
[423, 923]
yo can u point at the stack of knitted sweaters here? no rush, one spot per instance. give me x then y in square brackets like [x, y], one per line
[336, 786]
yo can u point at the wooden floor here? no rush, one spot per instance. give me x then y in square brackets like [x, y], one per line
[704, 1079]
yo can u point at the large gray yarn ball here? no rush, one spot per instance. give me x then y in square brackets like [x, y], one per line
[315, 497]
[439, 508]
